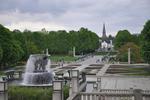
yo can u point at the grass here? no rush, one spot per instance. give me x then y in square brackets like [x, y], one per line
[57, 58]
[138, 74]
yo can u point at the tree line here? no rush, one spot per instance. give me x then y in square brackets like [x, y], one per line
[139, 44]
[17, 46]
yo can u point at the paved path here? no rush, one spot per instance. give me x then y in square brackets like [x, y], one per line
[85, 63]
[125, 83]
[103, 70]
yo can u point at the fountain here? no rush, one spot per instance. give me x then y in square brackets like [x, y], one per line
[38, 71]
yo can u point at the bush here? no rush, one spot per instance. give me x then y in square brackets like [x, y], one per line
[66, 92]
[33, 93]
[135, 53]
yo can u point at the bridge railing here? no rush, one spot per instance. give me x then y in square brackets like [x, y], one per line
[97, 93]
[109, 94]
[105, 96]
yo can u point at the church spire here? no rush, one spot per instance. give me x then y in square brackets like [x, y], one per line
[104, 32]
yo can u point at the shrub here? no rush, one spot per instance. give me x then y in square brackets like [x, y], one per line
[33, 93]
[135, 53]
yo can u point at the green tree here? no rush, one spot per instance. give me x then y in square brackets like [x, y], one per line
[16, 52]
[29, 44]
[136, 39]
[135, 52]
[5, 40]
[86, 41]
[122, 37]
[12, 52]
[1, 53]
[145, 43]
[19, 37]
[16, 45]
[31, 48]
[39, 40]
[61, 42]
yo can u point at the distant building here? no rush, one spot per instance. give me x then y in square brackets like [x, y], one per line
[106, 43]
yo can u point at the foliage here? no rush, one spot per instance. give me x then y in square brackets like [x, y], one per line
[61, 42]
[122, 37]
[66, 92]
[1, 53]
[16, 52]
[136, 39]
[146, 32]
[145, 37]
[31, 48]
[11, 49]
[135, 52]
[16, 46]
[33, 93]
[27, 93]
[2, 73]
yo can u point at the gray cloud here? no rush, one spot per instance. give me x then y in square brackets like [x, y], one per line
[73, 14]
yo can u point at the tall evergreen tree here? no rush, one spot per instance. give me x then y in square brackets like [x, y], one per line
[145, 37]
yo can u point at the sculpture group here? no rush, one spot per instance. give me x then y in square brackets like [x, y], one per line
[40, 64]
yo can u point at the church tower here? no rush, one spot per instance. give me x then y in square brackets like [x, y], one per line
[104, 32]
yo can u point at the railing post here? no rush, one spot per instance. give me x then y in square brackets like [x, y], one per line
[70, 88]
[74, 81]
[95, 87]
[57, 90]
[137, 94]
[3, 90]
[129, 56]
[20, 74]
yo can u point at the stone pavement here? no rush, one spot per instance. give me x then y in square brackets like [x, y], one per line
[86, 62]
[103, 70]
[113, 82]
[127, 82]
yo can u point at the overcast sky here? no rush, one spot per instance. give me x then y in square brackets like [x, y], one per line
[73, 14]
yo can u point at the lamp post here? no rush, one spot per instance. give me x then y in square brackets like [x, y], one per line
[99, 83]
[57, 90]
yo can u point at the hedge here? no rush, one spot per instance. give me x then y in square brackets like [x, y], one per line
[33, 93]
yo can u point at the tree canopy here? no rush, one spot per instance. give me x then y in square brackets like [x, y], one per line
[135, 52]
[145, 41]
[122, 37]
[16, 45]
[11, 50]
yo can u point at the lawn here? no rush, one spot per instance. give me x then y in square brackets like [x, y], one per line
[56, 58]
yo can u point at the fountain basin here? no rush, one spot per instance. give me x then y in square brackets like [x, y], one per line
[38, 72]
